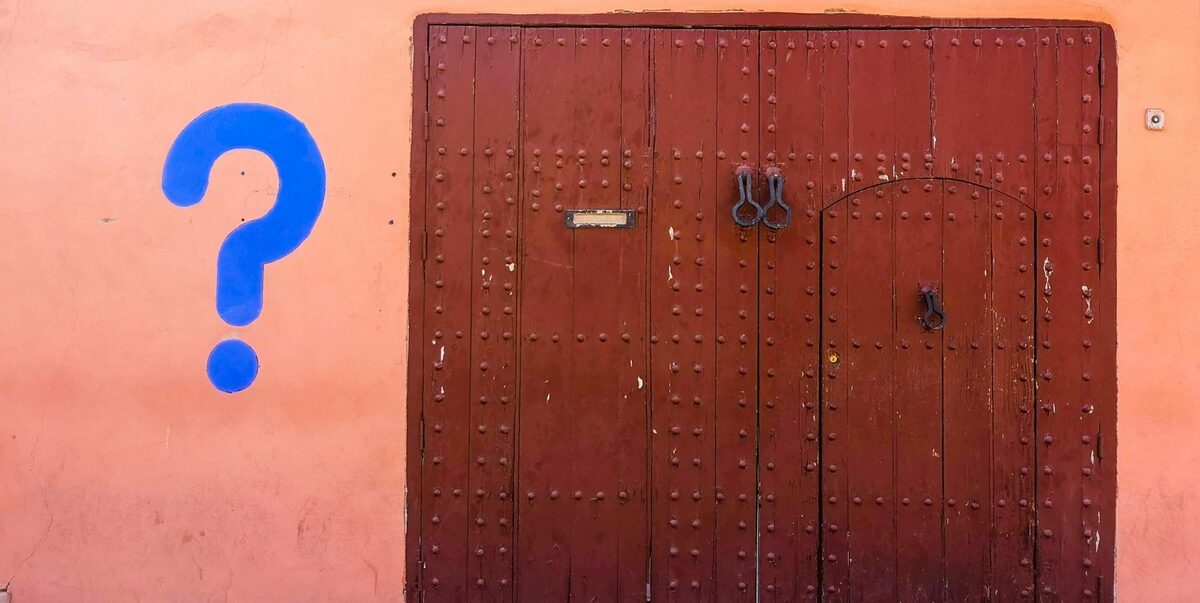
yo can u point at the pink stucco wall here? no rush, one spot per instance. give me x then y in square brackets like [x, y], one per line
[125, 476]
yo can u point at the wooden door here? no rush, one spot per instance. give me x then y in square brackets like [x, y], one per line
[686, 408]
[927, 434]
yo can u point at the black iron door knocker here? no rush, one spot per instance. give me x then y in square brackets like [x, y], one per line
[775, 188]
[935, 317]
[744, 176]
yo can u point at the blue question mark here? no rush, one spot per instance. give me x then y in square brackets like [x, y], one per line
[233, 364]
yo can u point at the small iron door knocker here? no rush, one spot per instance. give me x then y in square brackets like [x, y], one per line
[935, 317]
[775, 188]
[744, 176]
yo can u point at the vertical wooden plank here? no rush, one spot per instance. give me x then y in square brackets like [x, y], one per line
[596, 386]
[918, 375]
[912, 70]
[1048, 519]
[869, 274]
[836, 388]
[735, 405]
[793, 101]
[1105, 306]
[633, 407]
[682, 285]
[967, 391]
[834, 571]
[493, 362]
[871, 463]
[1012, 234]
[416, 347]
[835, 170]
[961, 98]
[1084, 202]
[546, 433]
[1067, 243]
[1009, 55]
[601, 306]
[449, 284]
[1062, 271]
[958, 133]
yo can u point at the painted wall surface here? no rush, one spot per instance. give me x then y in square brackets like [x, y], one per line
[125, 475]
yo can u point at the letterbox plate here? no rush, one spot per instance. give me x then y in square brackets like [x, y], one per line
[600, 218]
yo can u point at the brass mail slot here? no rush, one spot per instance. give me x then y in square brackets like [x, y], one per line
[600, 218]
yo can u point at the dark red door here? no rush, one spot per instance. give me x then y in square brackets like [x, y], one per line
[626, 395]
[924, 439]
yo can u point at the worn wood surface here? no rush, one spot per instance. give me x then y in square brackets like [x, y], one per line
[692, 410]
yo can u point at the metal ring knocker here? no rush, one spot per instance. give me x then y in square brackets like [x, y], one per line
[745, 181]
[933, 308]
[775, 187]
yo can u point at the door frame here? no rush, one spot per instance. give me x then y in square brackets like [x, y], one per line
[418, 238]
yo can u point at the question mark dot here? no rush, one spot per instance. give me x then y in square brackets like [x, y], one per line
[232, 366]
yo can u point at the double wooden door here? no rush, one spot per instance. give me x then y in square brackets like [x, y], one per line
[856, 394]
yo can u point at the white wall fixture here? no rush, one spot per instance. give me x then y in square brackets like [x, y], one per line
[1156, 119]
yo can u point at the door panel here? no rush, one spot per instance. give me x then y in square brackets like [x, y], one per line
[581, 466]
[967, 388]
[919, 359]
[704, 316]
[682, 280]
[631, 457]
[736, 401]
[1013, 448]
[803, 108]
[449, 282]
[546, 460]
[1069, 390]
[692, 410]
[859, 441]
[494, 223]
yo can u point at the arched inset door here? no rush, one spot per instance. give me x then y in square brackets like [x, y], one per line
[928, 347]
